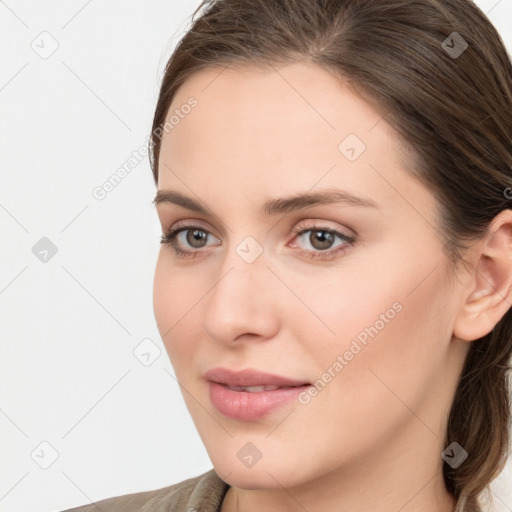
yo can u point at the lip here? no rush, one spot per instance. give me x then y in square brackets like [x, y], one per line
[249, 377]
[250, 406]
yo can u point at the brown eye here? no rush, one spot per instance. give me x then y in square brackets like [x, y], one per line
[321, 239]
[196, 238]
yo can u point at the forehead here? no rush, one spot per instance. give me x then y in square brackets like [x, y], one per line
[300, 98]
[274, 127]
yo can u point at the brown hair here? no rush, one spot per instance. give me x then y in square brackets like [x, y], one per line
[452, 106]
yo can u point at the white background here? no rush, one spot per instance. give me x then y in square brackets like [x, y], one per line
[69, 326]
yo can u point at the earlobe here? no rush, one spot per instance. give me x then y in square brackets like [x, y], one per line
[489, 290]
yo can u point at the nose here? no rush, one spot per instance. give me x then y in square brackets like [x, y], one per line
[242, 303]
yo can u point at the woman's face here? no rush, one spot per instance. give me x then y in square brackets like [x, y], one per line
[364, 310]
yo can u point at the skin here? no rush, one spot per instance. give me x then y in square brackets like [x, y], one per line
[372, 438]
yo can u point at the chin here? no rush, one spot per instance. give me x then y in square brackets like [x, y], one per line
[260, 476]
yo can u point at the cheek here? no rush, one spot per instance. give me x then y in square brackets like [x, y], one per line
[392, 331]
[173, 298]
[385, 307]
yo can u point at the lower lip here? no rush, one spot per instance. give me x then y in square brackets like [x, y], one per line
[246, 406]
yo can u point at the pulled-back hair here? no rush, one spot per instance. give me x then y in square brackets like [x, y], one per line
[451, 105]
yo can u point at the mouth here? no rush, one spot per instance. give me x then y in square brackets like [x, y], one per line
[250, 395]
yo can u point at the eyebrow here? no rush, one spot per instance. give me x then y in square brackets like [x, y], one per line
[273, 206]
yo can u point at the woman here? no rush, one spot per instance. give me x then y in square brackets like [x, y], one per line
[334, 286]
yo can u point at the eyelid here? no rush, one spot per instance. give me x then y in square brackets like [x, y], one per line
[188, 222]
[191, 224]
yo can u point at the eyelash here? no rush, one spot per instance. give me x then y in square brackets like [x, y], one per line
[170, 238]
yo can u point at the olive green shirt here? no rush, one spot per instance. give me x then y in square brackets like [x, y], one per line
[203, 493]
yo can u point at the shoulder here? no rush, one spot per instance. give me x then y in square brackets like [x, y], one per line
[201, 493]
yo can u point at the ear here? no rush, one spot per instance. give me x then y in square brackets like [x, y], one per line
[490, 286]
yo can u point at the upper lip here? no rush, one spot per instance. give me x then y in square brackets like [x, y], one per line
[249, 377]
